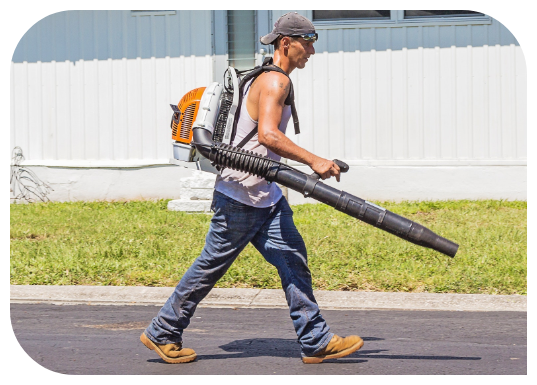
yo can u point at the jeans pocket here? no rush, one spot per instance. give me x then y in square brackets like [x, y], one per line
[234, 204]
[213, 205]
[237, 205]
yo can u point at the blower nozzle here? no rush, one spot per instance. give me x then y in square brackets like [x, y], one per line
[225, 155]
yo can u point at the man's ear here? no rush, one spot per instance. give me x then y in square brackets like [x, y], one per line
[285, 42]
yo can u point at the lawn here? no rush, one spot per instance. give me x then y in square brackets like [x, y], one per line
[142, 243]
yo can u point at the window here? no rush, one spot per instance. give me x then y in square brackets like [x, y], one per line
[395, 18]
[152, 13]
[330, 15]
[241, 39]
[421, 14]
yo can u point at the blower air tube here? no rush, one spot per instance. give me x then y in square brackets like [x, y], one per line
[227, 156]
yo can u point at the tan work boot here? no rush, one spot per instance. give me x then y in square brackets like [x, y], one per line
[171, 353]
[337, 347]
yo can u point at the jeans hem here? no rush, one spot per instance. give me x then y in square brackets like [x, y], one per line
[324, 342]
[161, 342]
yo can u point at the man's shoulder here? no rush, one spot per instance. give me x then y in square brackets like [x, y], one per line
[273, 75]
[273, 80]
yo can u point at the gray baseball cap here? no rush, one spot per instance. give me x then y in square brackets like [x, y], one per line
[288, 25]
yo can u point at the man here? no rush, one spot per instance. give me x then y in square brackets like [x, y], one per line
[248, 209]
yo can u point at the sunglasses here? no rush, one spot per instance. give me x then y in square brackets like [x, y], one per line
[313, 37]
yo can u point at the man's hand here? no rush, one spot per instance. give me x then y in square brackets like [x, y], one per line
[325, 168]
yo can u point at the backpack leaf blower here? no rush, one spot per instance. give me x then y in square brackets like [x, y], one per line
[202, 131]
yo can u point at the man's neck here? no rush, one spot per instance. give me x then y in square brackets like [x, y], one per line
[282, 61]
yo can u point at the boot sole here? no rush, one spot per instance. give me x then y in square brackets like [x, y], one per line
[152, 346]
[343, 353]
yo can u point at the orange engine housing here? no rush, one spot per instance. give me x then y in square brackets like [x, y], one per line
[182, 122]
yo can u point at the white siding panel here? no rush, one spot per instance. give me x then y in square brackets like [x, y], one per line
[382, 106]
[335, 129]
[162, 109]
[415, 103]
[351, 123]
[12, 113]
[507, 96]
[367, 106]
[495, 104]
[398, 101]
[479, 139]
[521, 104]
[148, 118]
[91, 109]
[428, 107]
[19, 104]
[120, 111]
[469, 90]
[63, 115]
[77, 111]
[463, 108]
[321, 107]
[105, 109]
[446, 103]
[48, 106]
[135, 112]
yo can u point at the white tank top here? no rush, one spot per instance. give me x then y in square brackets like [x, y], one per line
[243, 187]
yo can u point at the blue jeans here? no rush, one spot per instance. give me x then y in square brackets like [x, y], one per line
[273, 233]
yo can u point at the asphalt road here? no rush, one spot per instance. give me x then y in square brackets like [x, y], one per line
[84, 339]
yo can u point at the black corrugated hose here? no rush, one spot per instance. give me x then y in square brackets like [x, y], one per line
[227, 156]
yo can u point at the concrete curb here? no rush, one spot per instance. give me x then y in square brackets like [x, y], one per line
[267, 298]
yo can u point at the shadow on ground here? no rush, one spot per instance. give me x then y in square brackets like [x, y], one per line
[287, 348]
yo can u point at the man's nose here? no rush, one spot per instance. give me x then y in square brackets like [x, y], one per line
[312, 50]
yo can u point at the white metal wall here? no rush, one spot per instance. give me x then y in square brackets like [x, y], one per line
[90, 87]
[440, 104]
[368, 100]
[442, 93]
[100, 109]
[398, 98]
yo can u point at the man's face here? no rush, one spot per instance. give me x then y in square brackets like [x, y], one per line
[299, 51]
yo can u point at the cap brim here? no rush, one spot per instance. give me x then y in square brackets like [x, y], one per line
[269, 39]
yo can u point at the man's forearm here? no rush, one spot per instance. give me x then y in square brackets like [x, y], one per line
[280, 144]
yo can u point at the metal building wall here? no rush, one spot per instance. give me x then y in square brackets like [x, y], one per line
[414, 95]
[416, 103]
[94, 87]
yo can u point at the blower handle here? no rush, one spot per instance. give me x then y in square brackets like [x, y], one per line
[343, 167]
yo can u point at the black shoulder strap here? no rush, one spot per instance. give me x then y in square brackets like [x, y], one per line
[247, 137]
[290, 100]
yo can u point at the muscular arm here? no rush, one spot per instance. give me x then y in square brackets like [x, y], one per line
[274, 88]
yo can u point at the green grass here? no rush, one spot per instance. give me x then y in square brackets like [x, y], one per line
[142, 243]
